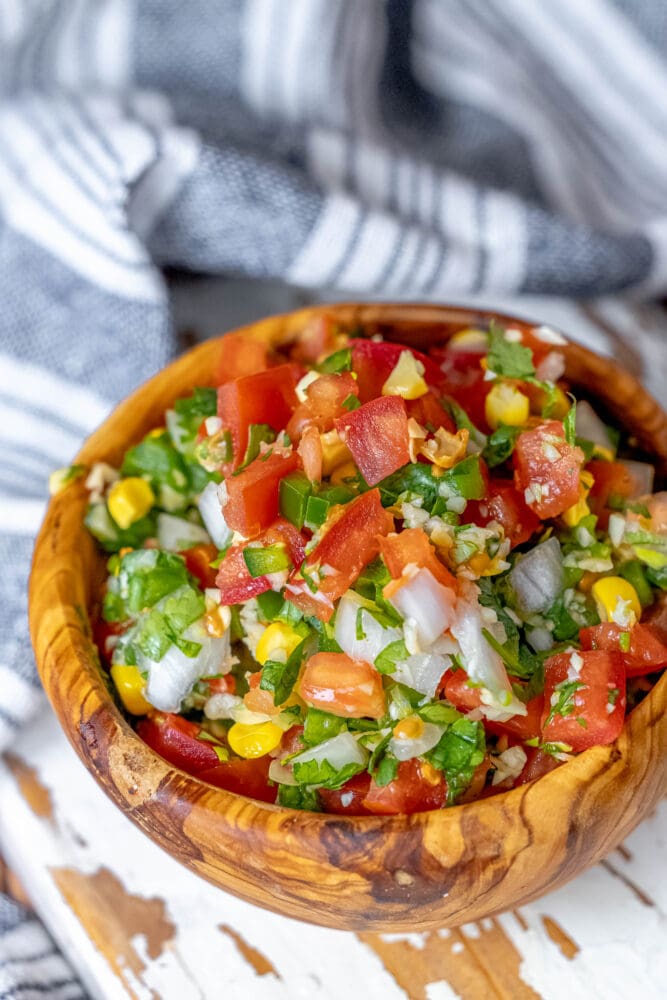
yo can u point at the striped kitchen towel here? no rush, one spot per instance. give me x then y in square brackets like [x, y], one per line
[424, 149]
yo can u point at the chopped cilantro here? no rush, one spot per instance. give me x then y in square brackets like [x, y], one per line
[500, 445]
[563, 703]
[297, 797]
[324, 774]
[280, 678]
[508, 358]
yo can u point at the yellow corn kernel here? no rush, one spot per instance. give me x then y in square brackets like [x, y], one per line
[130, 687]
[130, 500]
[406, 379]
[573, 515]
[469, 338]
[616, 601]
[409, 729]
[156, 432]
[334, 452]
[506, 405]
[347, 470]
[429, 773]
[276, 637]
[254, 741]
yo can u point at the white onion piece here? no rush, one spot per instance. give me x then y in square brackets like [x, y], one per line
[643, 475]
[280, 774]
[212, 516]
[338, 751]
[483, 665]
[591, 428]
[221, 706]
[428, 603]
[404, 749]
[551, 367]
[537, 578]
[171, 678]
[377, 637]
[422, 672]
[509, 764]
[175, 533]
[539, 638]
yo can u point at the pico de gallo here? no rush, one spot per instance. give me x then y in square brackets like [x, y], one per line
[355, 578]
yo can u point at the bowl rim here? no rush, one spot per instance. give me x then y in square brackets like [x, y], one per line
[66, 630]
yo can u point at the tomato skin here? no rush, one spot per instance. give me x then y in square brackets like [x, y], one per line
[466, 698]
[429, 412]
[175, 739]
[533, 466]
[347, 546]
[239, 356]
[647, 650]
[198, 560]
[267, 397]
[348, 800]
[233, 577]
[412, 545]
[601, 672]
[409, 792]
[537, 764]
[324, 402]
[373, 363]
[463, 381]
[504, 504]
[243, 777]
[336, 683]
[377, 436]
[317, 339]
[222, 685]
[252, 494]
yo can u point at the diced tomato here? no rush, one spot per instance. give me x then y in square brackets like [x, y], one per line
[336, 683]
[463, 381]
[240, 356]
[338, 558]
[267, 397]
[646, 645]
[413, 546]
[609, 479]
[594, 713]
[292, 741]
[429, 412]
[324, 402]
[198, 560]
[538, 763]
[226, 684]
[416, 788]
[175, 739]
[252, 494]
[243, 777]
[310, 452]
[105, 635]
[256, 699]
[348, 800]
[377, 436]
[373, 362]
[466, 698]
[317, 339]
[504, 504]
[546, 469]
[234, 579]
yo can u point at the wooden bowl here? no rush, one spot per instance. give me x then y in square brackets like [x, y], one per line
[388, 873]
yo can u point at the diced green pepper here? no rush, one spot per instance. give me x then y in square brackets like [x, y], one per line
[268, 559]
[295, 491]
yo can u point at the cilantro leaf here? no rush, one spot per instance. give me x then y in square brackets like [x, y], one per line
[508, 358]
[323, 774]
[459, 751]
[386, 660]
[280, 678]
[500, 445]
[296, 797]
[319, 726]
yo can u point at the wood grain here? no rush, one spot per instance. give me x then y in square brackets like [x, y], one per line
[389, 873]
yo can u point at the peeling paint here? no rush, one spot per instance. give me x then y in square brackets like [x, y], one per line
[254, 957]
[559, 937]
[36, 794]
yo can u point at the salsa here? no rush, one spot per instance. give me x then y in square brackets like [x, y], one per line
[353, 578]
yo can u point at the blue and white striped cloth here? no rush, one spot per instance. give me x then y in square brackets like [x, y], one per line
[426, 149]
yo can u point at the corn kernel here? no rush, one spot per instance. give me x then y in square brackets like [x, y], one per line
[430, 774]
[130, 687]
[156, 432]
[616, 601]
[469, 338]
[409, 729]
[506, 405]
[130, 500]
[254, 741]
[276, 637]
[334, 452]
[573, 515]
[347, 470]
[406, 379]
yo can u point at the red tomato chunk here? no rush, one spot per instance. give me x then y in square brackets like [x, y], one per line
[377, 436]
[252, 494]
[586, 707]
[546, 469]
[175, 739]
[336, 683]
[417, 787]
[267, 397]
[644, 650]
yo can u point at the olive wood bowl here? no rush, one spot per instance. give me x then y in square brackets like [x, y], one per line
[389, 873]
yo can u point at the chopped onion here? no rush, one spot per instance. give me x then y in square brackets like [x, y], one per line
[175, 533]
[591, 428]
[220, 706]
[509, 764]
[551, 367]
[406, 749]
[351, 611]
[428, 603]
[338, 751]
[643, 475]
[616, 529]
[422, 672]
[171, 678]
[212, 516]
[540, 638]
[280, 774]
[537, 578]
